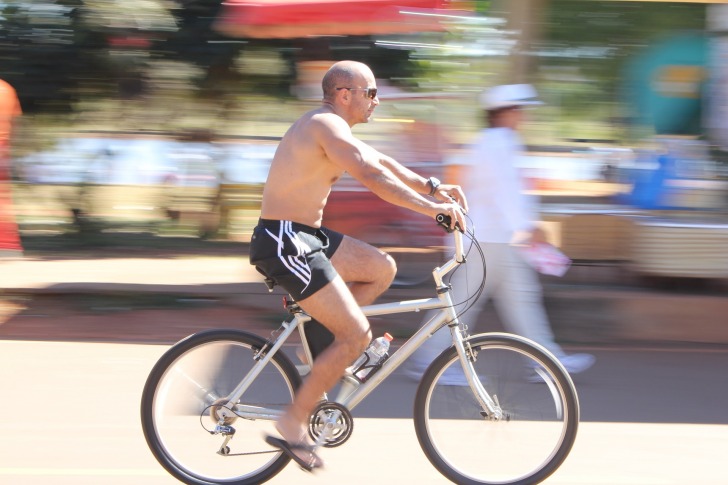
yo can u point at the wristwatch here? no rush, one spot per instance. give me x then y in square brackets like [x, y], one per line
[434, 184]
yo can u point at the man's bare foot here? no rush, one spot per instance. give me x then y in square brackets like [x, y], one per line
[298, 445]
[302, 454]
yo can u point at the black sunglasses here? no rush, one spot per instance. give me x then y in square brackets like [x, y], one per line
[371, 92]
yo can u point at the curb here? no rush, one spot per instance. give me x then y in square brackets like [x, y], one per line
[579, 314]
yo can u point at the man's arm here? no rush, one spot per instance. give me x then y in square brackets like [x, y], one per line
[365, 164]
[445, 192]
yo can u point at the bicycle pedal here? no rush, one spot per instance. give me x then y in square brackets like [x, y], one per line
[224, 430]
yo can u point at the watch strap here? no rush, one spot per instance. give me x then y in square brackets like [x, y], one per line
[434, 184]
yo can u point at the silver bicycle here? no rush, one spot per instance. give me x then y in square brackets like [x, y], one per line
[212, 397]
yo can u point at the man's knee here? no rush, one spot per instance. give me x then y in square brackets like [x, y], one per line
[359, 262]
[356, 340]
[388, 268]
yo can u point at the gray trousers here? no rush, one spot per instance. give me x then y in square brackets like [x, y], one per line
[515, 290]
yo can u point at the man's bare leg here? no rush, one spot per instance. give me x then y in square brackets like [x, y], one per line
[367, 270]
[335, 307]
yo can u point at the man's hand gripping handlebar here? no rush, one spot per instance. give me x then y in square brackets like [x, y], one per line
[445, 221]
[450, 223]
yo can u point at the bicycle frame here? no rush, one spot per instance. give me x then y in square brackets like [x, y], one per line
[459, 397]
[352, 397]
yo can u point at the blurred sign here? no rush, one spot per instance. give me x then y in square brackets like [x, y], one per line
[677, 81]
[296, 18]
[667, 84]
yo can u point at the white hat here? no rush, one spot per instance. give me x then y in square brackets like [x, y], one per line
[508, 95]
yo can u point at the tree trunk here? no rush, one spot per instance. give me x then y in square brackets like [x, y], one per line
[525, 20]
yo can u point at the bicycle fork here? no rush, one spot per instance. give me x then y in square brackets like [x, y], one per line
[491, 407]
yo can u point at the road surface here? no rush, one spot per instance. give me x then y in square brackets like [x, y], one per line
[70, 415]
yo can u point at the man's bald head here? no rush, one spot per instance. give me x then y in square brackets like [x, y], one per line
[343, 74]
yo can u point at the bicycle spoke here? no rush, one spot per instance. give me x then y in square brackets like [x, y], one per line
[184, 425]
[533, 436]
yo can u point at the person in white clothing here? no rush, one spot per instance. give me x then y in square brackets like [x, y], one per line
[503, 217]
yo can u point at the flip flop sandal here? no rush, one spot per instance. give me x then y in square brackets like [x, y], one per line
[290, 450]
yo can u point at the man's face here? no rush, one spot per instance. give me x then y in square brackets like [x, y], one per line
[363, 98]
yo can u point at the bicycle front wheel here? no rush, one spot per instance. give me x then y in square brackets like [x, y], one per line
[538, 401]
[183, 397]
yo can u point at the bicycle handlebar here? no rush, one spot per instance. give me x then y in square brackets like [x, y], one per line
[444, 221]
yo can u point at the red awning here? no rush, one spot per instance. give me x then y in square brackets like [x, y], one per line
[303, 18]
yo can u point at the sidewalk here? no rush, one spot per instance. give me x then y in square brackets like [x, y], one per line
[583, 309]
[193, 275]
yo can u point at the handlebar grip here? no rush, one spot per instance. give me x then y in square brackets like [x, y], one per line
[444, 220]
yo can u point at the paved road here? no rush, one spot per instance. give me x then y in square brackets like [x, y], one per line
[69, 415]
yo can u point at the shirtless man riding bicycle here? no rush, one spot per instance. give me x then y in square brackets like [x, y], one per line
[329, 274]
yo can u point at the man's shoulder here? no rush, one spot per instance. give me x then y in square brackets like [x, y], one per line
[325, 123]
[324, 117]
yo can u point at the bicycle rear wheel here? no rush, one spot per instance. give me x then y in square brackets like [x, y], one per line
[189, 381]
[536, 395]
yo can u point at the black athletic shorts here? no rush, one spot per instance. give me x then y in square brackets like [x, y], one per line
[295, 256]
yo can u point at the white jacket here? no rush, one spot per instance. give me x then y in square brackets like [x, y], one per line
[495, 188]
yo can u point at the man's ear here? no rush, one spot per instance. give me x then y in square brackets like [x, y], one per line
[344, 96]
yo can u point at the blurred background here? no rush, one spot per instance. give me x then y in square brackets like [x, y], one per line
[151, 123]
[132, 179]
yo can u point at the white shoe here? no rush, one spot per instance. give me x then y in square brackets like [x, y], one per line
[576, 363]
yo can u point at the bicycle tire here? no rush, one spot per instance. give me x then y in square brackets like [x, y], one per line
[175, 409]
[534, 391]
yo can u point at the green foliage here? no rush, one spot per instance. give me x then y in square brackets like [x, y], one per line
[598, 37]
[482, 6]
[63, 55]
[39, 46]
[196, 41]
